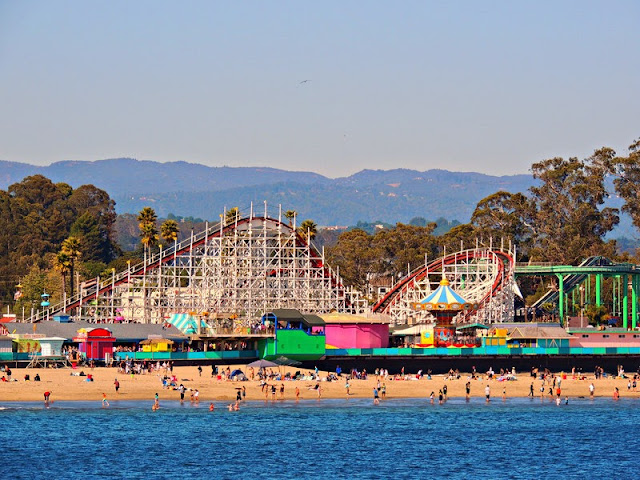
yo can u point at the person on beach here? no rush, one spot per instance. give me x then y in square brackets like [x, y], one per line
[487, 393]
[616, 394]
[591, 389]
[297, 394]
[239, 394]
[282, 391]
[199, 370]
[347, 386]
[116, 384]
[104, 400]
[531, 390]
[504, 393]
[244, 392]
[273, 392]
[440, 397]
[383, 390]
[196, 396]
[467, 389]
[444, 391]
[47, 395]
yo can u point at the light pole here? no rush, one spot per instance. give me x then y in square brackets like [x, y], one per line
[581, 306]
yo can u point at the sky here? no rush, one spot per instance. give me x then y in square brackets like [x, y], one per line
[331, 87]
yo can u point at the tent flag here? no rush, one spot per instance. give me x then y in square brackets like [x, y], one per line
[186, 323]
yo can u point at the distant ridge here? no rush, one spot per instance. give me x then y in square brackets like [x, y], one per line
[190, 189]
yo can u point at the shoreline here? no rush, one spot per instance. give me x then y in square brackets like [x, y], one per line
[66, 387]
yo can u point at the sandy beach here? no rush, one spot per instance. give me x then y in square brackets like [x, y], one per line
[65, 386]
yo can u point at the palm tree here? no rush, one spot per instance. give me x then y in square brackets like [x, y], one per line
[169, 231]
[147, 219]
[148, 235]
[232, 216]
[290, 215]
[71, 248]
[61, 263]
[308, 229]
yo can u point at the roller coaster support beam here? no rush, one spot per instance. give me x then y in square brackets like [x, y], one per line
[561, 298]
[625, 301]
[634, 301]
[598, 290]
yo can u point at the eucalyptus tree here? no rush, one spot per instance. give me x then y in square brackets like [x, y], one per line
[627, 182]
[570, 221]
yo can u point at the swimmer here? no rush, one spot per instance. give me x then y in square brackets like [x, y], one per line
[211, 407]
[155, 407]
[230, 407]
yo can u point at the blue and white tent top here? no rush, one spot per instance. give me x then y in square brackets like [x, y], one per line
[444, 298]
[186, 323]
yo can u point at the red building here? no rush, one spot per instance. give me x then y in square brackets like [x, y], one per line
[95, 343]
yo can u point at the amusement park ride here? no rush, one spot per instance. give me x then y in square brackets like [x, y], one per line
[233, 272]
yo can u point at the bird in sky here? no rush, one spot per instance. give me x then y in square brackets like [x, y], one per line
[304, 81]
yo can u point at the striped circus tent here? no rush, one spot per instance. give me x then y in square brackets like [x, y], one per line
[186, 323]
[444, 298]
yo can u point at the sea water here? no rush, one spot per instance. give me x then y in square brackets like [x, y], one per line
[326, 438]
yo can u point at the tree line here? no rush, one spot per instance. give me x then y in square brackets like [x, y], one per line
[55, 236]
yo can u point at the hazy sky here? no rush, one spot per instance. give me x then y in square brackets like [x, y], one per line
[473, 86]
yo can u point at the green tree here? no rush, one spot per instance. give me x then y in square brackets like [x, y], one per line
[404, 247]
[627, 182]
[355, 256]
[569, 220]
[506, 215]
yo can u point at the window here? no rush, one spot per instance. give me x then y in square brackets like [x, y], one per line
[585, 336]
[605, 336]
[621, 336]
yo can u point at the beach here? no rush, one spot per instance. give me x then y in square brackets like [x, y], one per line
[65, 385]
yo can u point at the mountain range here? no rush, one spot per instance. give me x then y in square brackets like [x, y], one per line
[188, 189]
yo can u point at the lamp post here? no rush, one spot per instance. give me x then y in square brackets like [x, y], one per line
[581, 306]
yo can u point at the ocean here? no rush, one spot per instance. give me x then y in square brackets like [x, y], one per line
[327, 438]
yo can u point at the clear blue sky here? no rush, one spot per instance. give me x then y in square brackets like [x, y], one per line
[467, 86]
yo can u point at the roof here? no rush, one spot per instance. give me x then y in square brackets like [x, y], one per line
[415, 330]
[313, 320]
[122, 332]
[291, 314]
[538, 332]
[155, 341]
[472, 325]
[286, 313]
[444, 298]
[346, 318]
[4, 338]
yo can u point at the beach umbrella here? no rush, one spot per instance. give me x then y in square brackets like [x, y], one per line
[262, 363]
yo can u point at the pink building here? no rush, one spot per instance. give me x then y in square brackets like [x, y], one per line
[352, 331]
[610, 337]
